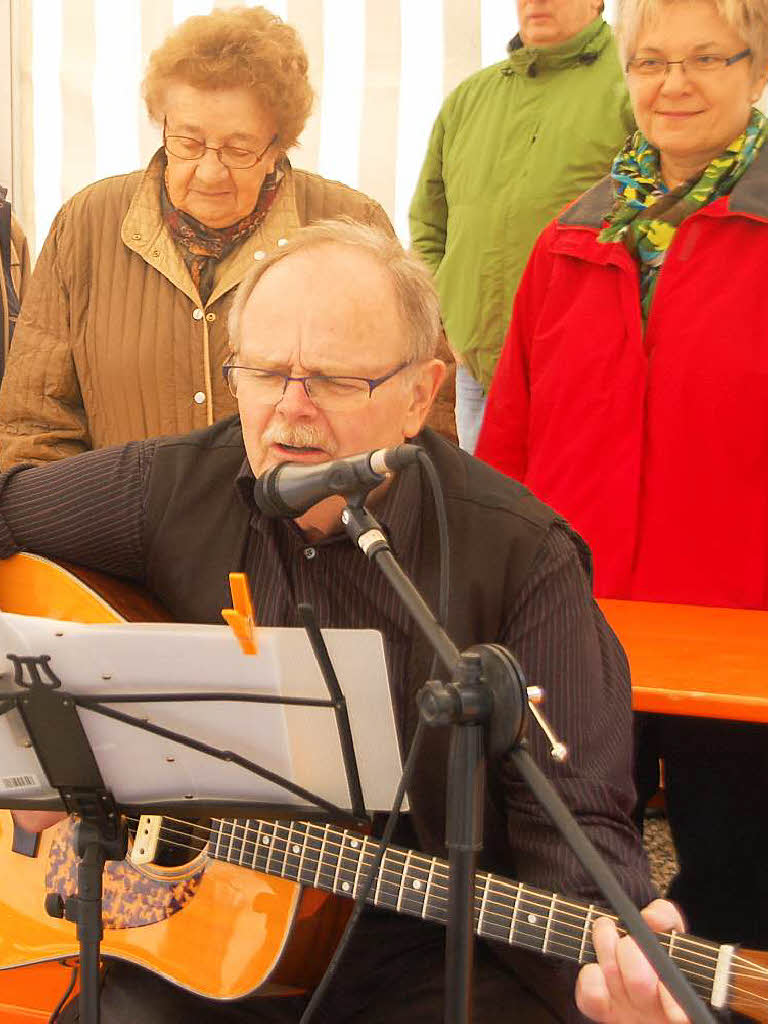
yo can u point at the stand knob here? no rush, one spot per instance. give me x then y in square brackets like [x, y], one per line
[439, 703]
[54, 905]
[557, 749]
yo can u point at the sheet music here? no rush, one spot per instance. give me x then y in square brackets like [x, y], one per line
[299, 743]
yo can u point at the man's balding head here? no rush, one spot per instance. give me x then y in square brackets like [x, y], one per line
[332, 309]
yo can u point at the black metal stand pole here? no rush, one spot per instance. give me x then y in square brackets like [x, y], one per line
[467, 706]
[90, 873]
[464, 838]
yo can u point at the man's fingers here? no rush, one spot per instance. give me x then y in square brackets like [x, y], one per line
[592, 996]
[605, 939]
[673, 1010]
[641, 982]
[622, 985]
[663, 916]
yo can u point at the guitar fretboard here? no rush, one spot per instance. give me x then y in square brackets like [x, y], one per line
[338, 861]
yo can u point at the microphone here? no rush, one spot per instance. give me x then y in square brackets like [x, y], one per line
[293, 487]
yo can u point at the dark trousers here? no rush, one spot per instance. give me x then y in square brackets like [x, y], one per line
[715, 776]
[392, 974]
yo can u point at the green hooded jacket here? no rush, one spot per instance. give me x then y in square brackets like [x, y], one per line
[512, 146]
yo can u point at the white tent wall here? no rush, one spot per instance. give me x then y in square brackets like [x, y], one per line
[6, 131]
[71, 70]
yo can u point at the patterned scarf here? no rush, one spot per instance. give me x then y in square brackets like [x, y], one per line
[646, 215]
[203, 247]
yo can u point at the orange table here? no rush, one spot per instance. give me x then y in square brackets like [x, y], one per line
[688, 660]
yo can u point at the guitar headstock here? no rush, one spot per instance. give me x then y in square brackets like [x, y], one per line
[748, 984]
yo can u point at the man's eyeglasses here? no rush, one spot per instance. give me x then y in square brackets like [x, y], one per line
[186, 148]
[335, 394]
[695, 65]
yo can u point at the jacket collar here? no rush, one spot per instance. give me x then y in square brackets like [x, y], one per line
[749, 197]
[145, 232]
[581, 49]
[592, 208]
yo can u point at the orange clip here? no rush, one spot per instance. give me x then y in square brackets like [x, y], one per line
[240, 619]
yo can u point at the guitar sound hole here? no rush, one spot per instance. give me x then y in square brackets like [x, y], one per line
[182, 844]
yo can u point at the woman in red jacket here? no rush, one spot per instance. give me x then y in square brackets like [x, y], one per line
[632, 395]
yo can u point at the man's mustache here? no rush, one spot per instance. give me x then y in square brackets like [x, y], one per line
[300, 435]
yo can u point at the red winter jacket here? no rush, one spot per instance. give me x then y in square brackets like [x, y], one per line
[653, 444]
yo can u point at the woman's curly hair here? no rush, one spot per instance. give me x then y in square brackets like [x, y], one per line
[244, 47]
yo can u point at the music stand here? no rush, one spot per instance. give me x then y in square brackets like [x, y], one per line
[486, 703]
[52, 734]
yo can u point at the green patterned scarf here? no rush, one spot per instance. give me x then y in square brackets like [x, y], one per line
[646, 215]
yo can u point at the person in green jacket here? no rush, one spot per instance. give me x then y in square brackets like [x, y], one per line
[512, 145]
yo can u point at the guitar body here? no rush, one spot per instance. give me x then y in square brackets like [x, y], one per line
[233, 920]
[215, 929]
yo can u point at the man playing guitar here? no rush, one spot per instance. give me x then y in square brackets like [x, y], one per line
[333, 343]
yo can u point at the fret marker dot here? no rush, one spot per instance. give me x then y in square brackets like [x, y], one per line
[532, 919]
[296, 848]
[417, 883]
[354, 844]
[265, 840]
[345, 886]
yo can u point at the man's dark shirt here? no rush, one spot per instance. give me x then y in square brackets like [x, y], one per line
[91, 510]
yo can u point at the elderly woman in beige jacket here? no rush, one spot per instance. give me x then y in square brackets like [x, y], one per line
[124, 328]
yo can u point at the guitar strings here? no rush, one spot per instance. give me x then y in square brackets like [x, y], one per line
[315, 846]
[208, 834]
[758, 973]
[701, 979]
[532, 901]
[532, 898]
[441, 901]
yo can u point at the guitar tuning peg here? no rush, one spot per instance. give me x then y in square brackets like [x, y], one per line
[558, 750]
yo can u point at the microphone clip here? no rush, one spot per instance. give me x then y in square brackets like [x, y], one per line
[363, 529]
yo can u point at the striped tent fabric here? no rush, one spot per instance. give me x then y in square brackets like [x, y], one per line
[380, 68]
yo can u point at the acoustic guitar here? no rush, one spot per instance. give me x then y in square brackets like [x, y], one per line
[255, 908]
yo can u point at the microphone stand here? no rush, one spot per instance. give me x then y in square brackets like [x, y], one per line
[487, 700]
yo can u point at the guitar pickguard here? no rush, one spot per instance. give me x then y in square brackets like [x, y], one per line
[132, 896]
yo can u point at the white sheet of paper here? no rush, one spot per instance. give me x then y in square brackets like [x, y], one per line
[299, 743]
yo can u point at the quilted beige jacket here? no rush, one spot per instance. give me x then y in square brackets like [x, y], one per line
[113, 342]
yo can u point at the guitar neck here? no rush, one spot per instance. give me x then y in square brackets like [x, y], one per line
[337, 861]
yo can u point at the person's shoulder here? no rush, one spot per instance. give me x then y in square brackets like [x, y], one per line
[224, 436]
[475, 87]
[199, 466]
[589, 210]
[470, 482]
[100, 199]
[319, 198]
[500, 513]
[315, 184]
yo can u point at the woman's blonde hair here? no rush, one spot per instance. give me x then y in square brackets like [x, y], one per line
[244, 47]
[748, 18]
